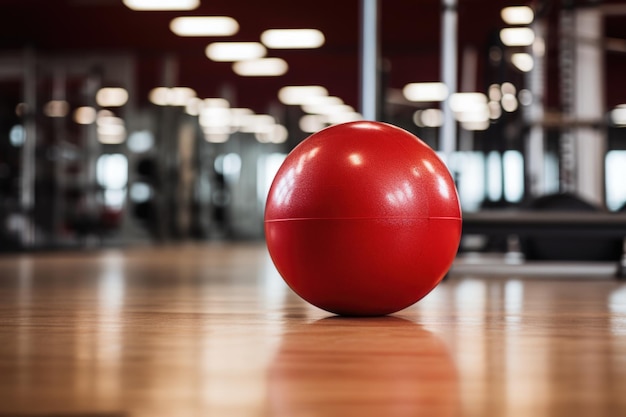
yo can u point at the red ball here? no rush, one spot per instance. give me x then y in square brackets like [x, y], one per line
[362, 219]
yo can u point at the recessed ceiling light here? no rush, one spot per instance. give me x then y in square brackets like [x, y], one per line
[523, 61]
[253, 123]
[204, 26]
[425, 92]
[517, 36]
[517, 15]
[111, 97]
[175, 96]
[618, 115]
[468, 102]
[292, 38]
[235, 51]
[269, 67]
[299, 94]
[85, 115]
[145, 5]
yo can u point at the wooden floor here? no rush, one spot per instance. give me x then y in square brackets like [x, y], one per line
[213, 331]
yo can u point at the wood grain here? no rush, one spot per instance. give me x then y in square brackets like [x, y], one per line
[211, 330]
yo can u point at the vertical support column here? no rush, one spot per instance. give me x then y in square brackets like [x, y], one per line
[92, 147]
[27, 177]
[567, 174]
[449, 45]
[369, 54]
[588, 105]
[58, 206]
[534, 114]
[167, 143]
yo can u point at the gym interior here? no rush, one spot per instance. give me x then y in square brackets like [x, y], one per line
[139, 141]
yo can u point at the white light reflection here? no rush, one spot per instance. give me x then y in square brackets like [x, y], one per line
[267, 167]
[527, 364]
[442, 187]
[471, 299]
[285, 186]
[469, 304]
[356, 159]
[25, 330]
[400, 196]
[617, 307]
[17, 135]
[111, 285]
[109, 327]
[513, 301]
[274, 287]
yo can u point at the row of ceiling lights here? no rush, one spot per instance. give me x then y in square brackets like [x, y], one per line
[475, 110]
[519, 35]
[472, 110]
[249, 59]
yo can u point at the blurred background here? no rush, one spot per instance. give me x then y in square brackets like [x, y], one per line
[129, 122]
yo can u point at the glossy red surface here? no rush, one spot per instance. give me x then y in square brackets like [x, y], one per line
[362, 218]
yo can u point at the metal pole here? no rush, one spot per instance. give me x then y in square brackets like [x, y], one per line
[447, 139]
[534, 113]
[369, 59]
[27, 179]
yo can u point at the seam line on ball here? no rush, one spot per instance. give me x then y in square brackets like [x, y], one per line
[365, 218]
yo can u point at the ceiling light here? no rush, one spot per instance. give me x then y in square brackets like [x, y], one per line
[272, 134]
[327, 109]
[494, 92]
[235, 51]
[517, 15]
[85, 115]
[111, 130]
[193, 106]
[477, 114]
[299, 94]
[425, 92]
[215, 102]
[238, 116]
[158, 96]
[269, 67]
[56, 108]
[523, 61]
[618, 115]
[111, 97]
[145, 5]
[175, 96]
[463, 102]
[179, 96]
[509, 103]
[508, 88]
[311, 123]
[292, 38]
[428, 118]
[517, 36]
[253, 123]
[214, 116]
[204, 26]
[495, 110]
[479, 125]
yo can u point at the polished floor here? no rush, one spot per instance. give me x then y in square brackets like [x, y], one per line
[212, 330]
